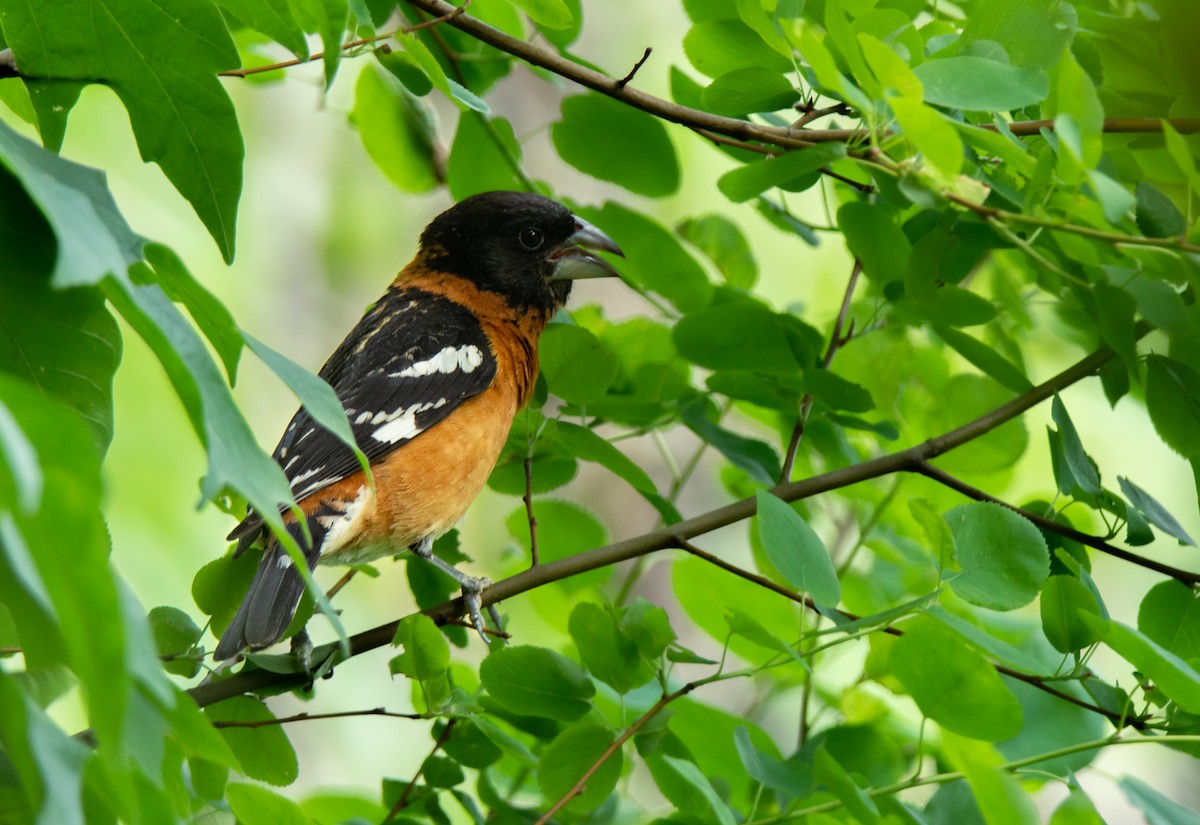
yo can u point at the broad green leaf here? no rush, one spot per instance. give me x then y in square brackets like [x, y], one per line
[426, 653]
[536, 681]
[1154, 512]
[796, 551]
[62, 342]
[569, 756]
[1083, 469]
[724, 244]
[1001, 799]
[654, 258]
[790, 776]
[987, 359]
[440, 772]
[1004, 557]
[396, 130]
[264, 752]
[718, 47]
[1169, 615]
[755, 16]
[1173, 399]
[607, 652]
[1158, 808]
[752, 89]
[1171, 674]
[876, 240]
[91, 236]
[255, 805]
[649, 627]
[981, 85]
[931, 133]
[612, 141]
[953, 684]
[1063, 598]
[742, 335]
[577, 366]
[164, 68]
[485, 156]
[1032, 32]
[743, 183]
[274, 18]
[552, 14]
[469, 746]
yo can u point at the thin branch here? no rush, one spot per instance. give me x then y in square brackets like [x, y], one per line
[1095, 542]
[308, 717]
[340, 583]
[836, 341]
[353, 44]
[668, 536]
[528, 499]
[625, 80]
[579, 786]
[402, 802]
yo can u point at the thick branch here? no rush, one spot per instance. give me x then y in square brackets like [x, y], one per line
[908, 460]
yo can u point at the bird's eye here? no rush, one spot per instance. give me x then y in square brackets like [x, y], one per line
[531, 237]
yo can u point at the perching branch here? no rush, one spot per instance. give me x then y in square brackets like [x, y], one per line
[308, 717]
[909, 460]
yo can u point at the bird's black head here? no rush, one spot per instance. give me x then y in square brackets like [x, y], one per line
[525, 247]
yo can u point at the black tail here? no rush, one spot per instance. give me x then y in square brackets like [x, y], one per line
[271, 601]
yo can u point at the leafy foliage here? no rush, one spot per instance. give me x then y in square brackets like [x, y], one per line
[1004, 193]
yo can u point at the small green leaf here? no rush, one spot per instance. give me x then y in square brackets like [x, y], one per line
[607, 652]
[744, 625]
[577, 366]
[1169, 615]
[693, 777]
[933, 135]
[1157, 215]
[536, 681]
[1082, 468]
[836, 392]
[1004, 557]
[175, 633]
[790, 776]
[999, 796]
[937, 532]
[426, 652]
[485, 156]
[1171, 674]
[1178, 148]
[752, 89]
[796, 551]
[742, 335]
[1154, 512]
[1063, 598]
[838, 782]
[569, 756]
[255, 805]
[990, 362]
[724, 244]
[718, 47]
[757, 458]
[585, 444]
[876, 240]
[953, 684]
[611, 141]
[470, 747]
[743, 183]
[981, 85]
[1076, 809]
[552, 14]
[1158, 808]
[1173, 399]
[264, 752]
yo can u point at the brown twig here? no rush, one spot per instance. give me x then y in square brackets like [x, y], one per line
[528, 499]
[353, 44]
[808, 114]
[1095, 542]
[836, 342]
[309, 717]
[340, 583]
[402, 802]
[625, 80]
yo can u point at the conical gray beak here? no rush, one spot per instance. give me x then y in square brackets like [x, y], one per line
[573, 261]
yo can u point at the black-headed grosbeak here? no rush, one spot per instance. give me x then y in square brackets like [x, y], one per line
[430, 378]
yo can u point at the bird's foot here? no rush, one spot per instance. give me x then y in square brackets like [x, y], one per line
[472, 587]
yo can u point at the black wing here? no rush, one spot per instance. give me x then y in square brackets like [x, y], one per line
[411, 360]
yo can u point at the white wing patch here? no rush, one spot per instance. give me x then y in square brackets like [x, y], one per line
[465, 358]
[401, 425]
[344, 527]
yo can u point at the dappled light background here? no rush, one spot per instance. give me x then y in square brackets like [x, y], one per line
[321, 232]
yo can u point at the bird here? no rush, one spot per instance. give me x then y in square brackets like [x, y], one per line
[430, 378]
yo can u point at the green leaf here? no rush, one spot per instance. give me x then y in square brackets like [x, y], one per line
[1076, 809]
[933, 135]
[718, 47]
[1004, 557]
[1154, 512]
[1178, 148]
[62, 342]
[328, 18]
[1169, 616]
[836, 392]
[274, 18]
[1063, 598]
[1158, 808]
[839, 783]
[1032, 32]
[569, 756]
[426, 652]
[981, 85]
[757, 458]
[724, 244]
[962, 399]
[790, 776]
[796, 551]
[1157, 216]
[606, 651]
[999, 796]
[875, 239]
[612, 141]
[1171, 674]
[585, 444]
[741, 335]
[744, 625]
[988, 360]
[469, 746]
[953, 684]
[577, 366]
[219, 587]
[264, 752]
[937, 532]
[552, 14]
[564, 528]
[164, 68]
[712, 805]
[745, 182]
[485, 156]
[536, 681]
[752, 89]
[1173, 399]
[255, 805]
[396, 131]
[1082, 468]
[175, 633]
[440, 772]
